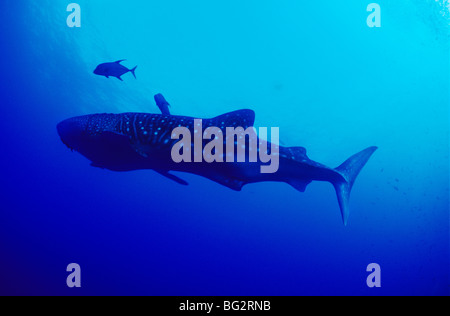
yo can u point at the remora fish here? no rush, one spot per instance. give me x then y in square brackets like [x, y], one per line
[162, 104]
[133, 141]
[114, 69]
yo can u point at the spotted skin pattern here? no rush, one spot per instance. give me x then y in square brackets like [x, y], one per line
[134, 141]
[156, 129]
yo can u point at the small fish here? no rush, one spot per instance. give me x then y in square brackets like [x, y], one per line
[114, 69]
[162, 104]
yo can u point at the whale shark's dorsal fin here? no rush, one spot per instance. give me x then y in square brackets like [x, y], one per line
[119, 61]
[240, 118]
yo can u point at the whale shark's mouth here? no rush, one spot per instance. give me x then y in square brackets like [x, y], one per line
[71, 131]
[71, 149]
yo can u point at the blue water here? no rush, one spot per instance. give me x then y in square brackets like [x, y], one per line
[314, 69]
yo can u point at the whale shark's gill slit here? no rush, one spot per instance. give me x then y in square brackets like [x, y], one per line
[120, 126]
[147, 123]
[134, 127]
[163, 135]
[125, 123]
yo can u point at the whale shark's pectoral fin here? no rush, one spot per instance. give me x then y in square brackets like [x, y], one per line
[141, 149]
[96, 165]
[115, 138]
[231, 183]
[172, 177]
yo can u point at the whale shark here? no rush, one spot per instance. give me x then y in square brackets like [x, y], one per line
[137, 141]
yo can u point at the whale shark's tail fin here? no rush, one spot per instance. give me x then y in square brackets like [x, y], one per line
[349, 170]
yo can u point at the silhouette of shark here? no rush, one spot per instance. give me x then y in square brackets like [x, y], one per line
[114, 69]
[133, 141]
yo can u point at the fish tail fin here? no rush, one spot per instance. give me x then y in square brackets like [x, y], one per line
[348, 171]
[133, 71]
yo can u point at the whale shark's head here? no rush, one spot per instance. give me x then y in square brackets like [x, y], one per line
[73, 131]
[76, 132]
[97, 138]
